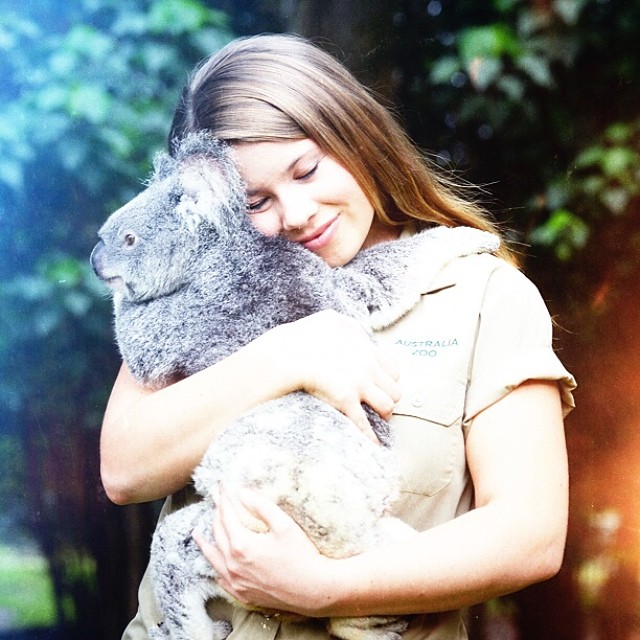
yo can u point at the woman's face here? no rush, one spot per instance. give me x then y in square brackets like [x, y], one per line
[296, 190]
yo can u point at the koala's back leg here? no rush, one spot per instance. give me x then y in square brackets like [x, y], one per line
[183, 579]
[368, 628]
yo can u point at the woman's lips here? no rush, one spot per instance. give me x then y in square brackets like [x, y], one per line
[321, 237]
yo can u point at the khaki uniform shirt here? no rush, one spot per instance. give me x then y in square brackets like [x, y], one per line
[479, 330]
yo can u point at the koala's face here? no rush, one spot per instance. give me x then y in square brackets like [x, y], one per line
[146, 248]
[151, 246]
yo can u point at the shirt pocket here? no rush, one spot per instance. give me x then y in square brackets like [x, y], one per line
[428, 438]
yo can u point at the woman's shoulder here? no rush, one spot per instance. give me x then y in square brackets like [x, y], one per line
[502, 294]
[502, 277]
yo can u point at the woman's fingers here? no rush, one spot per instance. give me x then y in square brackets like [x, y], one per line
[249, 564]
[342, 365]
[358, 416]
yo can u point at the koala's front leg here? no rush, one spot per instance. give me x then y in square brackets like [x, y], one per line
[183, 579]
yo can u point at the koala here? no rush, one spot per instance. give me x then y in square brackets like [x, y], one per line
[192, 281]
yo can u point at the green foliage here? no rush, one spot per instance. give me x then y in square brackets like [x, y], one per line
[87, 97]
[100, 92]
[544, 96]
[77, 570]
[604, 181]
[25, 588]
[50, 318]
[563, 231]
[609, 169]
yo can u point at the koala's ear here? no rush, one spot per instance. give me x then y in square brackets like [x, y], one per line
[208, 195]
[163, 166]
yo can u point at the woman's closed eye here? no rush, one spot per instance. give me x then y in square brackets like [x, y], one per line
[257, 206]
[310, 173]
[304, 173]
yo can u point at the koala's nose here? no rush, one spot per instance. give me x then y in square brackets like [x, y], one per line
[95, 257]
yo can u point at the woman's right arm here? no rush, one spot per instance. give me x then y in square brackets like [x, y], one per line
[152, 440]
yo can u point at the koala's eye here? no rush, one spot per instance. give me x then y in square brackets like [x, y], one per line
[129, 239]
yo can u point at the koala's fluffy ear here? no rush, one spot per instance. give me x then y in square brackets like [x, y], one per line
[207, 195]
[201, 192]
[210, 186]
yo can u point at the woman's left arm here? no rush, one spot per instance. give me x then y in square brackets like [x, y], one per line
[514, 537]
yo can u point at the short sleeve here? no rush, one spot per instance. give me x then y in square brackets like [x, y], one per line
[514, 343]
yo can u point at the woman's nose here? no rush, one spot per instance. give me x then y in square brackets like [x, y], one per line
[296, 211]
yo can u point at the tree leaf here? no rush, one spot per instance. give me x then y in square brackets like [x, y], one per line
[569, 10]
[617, 160]
[443, 69]
[483, 72]
[564, 231]
[491, 41]
[616, 199]
[537, 68]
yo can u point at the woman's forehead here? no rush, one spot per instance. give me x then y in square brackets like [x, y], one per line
[263, 161]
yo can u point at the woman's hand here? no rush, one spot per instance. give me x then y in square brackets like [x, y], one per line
[332, 357]
[279, 568]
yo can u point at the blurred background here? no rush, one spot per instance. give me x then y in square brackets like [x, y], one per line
[537, 100]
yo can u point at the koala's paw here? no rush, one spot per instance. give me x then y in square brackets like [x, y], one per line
[368, 628]
[221, 630]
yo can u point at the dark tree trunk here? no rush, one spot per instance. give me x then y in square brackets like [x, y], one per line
[359, 32]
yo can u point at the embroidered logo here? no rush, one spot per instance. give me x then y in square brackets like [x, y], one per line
[427, 348]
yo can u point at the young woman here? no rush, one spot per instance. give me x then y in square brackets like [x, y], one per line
[468, 378]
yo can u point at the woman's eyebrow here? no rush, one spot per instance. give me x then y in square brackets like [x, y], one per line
[302, 156]
[290, 167]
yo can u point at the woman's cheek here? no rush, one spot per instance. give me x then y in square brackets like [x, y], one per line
[267, 224]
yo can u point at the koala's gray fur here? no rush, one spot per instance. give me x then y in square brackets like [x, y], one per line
[192, 282]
